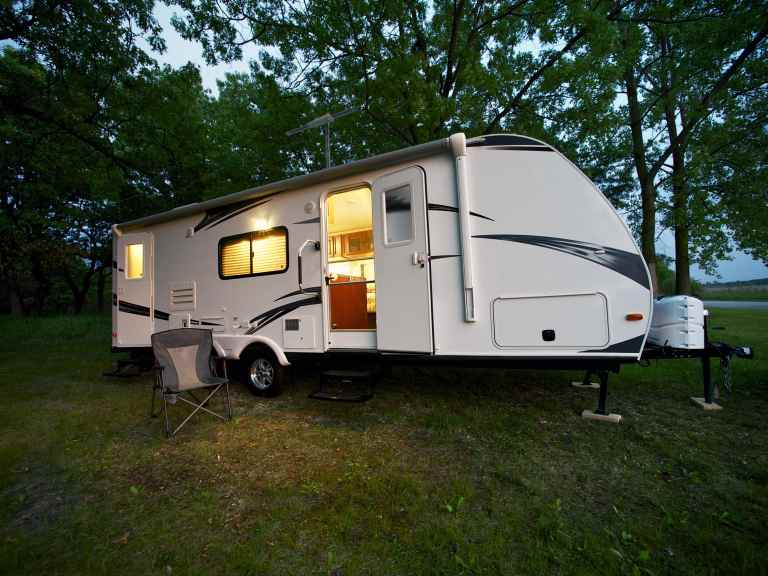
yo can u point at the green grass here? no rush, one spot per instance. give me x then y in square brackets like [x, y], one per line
[445, 471]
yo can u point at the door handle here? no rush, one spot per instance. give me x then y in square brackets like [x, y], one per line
[418, 259]
[316, 245]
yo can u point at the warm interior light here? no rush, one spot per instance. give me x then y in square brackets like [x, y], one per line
[260, 224]
[134, 261]
[268, 252]
[634, 317]
[350, 210]
[235, 257]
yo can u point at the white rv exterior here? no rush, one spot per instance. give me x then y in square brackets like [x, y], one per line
[490, 248]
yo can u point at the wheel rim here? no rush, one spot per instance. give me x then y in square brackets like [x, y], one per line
[262, 373]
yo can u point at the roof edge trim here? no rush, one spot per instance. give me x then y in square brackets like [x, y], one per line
[301, 181]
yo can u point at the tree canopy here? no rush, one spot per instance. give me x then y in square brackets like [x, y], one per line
[662, 103]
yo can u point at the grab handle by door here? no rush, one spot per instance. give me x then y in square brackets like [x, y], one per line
[316, 245]
[418, 259]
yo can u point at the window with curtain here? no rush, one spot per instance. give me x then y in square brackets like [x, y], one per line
[254, 254]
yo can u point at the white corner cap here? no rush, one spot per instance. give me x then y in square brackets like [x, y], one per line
[458, 144]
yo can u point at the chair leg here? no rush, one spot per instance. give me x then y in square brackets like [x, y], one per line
[229, 404]
[168, 433]
[152, 409]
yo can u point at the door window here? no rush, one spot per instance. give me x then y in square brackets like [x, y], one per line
[398, 215]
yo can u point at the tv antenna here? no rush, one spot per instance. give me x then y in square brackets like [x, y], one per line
[324, 122]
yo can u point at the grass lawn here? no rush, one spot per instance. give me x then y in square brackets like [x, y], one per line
[448, 471]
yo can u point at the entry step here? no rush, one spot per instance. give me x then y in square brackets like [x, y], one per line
[345, 386]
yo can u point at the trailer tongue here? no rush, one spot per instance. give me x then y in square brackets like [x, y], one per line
[680, 330]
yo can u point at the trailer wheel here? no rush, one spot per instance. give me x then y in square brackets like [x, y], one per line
[262, 373]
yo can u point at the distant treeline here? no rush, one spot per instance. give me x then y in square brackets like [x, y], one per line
[759, 283]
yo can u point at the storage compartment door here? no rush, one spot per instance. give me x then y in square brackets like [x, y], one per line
[403, 305]
[560, 321]
[135, 298]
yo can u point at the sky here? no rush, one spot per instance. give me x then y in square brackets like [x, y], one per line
[179, 52]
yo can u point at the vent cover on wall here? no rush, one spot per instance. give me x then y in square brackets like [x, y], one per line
[183, 296]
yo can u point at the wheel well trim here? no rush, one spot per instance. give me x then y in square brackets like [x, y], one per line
[233, 347]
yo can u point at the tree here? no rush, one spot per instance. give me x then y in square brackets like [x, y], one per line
[675, 63]
[419, 69]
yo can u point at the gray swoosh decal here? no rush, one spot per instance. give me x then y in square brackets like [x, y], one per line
[625, 263]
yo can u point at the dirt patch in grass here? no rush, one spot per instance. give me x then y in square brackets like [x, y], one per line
[40, 498]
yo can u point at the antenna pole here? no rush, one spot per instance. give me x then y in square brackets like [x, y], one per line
[324, 122]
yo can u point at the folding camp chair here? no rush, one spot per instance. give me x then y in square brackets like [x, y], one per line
[185, 360]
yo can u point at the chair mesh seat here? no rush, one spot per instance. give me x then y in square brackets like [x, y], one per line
[185, 360]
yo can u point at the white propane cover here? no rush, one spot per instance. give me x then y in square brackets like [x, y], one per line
[678, 322]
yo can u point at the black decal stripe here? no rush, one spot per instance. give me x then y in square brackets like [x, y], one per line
[289, 306]
[503, 140]
[237, 213]
[625, 263]
[314, 220]
[481, 216]
[212, 217]
[232, 214]
[271, 315]
[444, 208]
[633, 346]
[441, 256]
[160, 315]
[310, 290]
[140, 310]
[201, 322]
[524, 148]
[135, 309]
[222, 214]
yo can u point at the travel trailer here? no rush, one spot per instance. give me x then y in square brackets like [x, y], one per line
[494, 249]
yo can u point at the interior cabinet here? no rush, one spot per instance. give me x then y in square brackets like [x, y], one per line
[349, 310]
[350, 245]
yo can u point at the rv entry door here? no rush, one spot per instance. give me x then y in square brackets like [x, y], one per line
[401, 253]
[135, 314]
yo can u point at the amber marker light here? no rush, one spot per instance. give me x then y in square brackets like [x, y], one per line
[634, 317]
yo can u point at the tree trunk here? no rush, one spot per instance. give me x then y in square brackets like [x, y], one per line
[679, 211]
[101, 282]
[647, 188]
[679, 178]
[17, 303]
[79, 293]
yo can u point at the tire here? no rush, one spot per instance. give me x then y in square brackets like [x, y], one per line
[262, 373]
